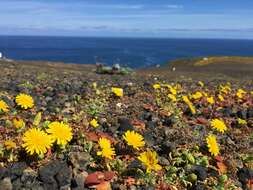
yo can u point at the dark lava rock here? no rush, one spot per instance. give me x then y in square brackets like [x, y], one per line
[125, 125]
[200, 171]
[4, 172]
[6, 184]
[48, 173]
[29, 177]
[167, 147]
[164, 161]
[227, 112]
[16, 170]
[151, 125]
[77, 183]
[79, 160]
[64, 176]
[250, 112]
[135, 164]
[168, 121]
[198, 187]
[242, 114]
[17, 184]
[149, 139]
[245, 174]
[147, 116]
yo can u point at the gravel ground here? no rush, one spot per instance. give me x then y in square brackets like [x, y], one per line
[76, 94]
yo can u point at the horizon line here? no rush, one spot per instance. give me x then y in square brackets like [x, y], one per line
[128, 37]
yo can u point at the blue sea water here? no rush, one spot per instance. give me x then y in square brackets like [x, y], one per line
[133, 52]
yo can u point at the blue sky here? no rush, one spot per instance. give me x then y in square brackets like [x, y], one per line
[133, 18]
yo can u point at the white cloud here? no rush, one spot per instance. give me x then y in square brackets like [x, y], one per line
[174, 6]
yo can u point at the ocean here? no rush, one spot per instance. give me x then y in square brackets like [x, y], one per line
[132, 52]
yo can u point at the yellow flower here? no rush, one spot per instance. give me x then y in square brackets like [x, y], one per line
[36, 141]
[219, 125]
[94, 85]
[200, 83]
[150, 160]
[94, 123]
[156, 86]
[18, 123]
[220, 97]
[172, 97]
[210, 100]
[118, 91]
[205, 94]
[24, 101]
[213, 146]
[134, 139]
[106, 150]
[173, 90]
[241, 121]
[225, 89]
[197, 95]
[60, 132]
[9, 145]
[240, 93]
[190, 105]
[3, 106]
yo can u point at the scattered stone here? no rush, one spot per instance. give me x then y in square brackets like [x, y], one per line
[164, 161]
[16, 170]
[98, 177]
[244, 175]
[63, 177]
[78, 181]
[167, 147]
[79, 160]
[200, 171]
[125, 125]
[6, 184]
[48, 172]
[4, 172]
[29, 177]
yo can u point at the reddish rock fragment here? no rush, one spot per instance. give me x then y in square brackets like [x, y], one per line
[98, 177]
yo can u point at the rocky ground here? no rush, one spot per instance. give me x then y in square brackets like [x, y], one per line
[76, 94]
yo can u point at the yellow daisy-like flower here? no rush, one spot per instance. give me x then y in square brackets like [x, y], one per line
[225, 89]
[24, 101]
[9, 145]
[36, 141]
[190, 105]
[219, 125]
[94, 123]
[118, 91]
[150, 160]
[241, 121]
[220, 97]
[200, 83]
[3, 106]
[134, 139]
[240, 93]
[213, 146]
[173, 90]
[60, 132]
[197, 95]
[106, 150]
[172, 97]
[210, 100]
[156, 86]
[18, 123]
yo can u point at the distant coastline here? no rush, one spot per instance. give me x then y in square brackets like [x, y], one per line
[132, 52]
